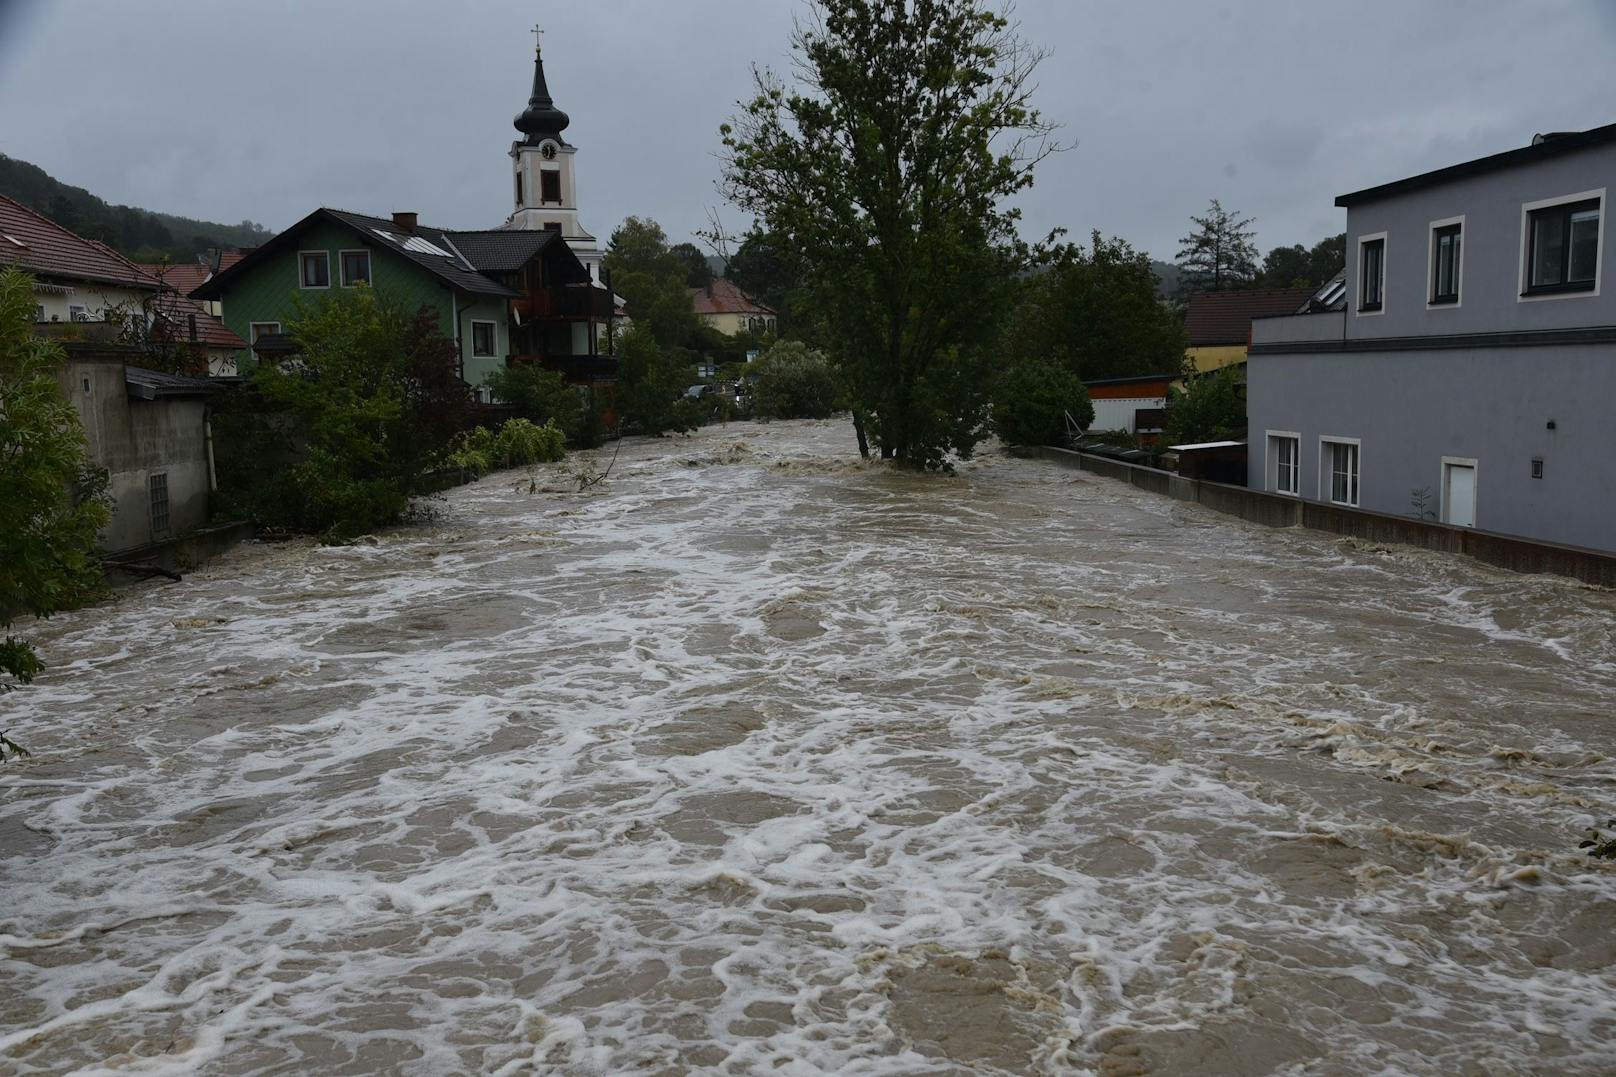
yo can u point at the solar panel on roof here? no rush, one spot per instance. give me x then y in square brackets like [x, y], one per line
[421, 246]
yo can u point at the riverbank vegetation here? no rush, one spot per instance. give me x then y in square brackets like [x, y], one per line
[1210, 407]
[52, 499]
[794, 381]
[1036, 401]
[336, 441]
[519, 443]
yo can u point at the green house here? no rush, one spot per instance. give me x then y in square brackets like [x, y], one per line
[501, 295]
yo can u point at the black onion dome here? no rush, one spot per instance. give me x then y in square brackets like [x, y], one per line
[541, 119]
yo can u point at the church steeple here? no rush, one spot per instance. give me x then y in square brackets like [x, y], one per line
[541, 119]
[542, 172]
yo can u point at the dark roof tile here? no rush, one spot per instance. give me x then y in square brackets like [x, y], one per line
[1224, 318]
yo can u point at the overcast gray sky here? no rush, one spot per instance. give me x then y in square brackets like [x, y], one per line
[228, 109]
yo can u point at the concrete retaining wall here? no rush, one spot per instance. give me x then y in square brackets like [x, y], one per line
[186, 552]
[1278, 510]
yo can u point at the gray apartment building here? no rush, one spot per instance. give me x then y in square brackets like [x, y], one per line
[1471, 376]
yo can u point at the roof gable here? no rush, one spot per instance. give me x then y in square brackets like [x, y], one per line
[428, 248]
[506, 250]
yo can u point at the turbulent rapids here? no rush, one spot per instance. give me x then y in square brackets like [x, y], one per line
[758, 759]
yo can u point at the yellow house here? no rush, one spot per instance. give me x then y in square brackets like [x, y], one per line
[1218, 324]
[731, 311]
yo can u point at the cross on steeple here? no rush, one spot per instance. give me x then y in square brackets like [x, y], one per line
[538, 38]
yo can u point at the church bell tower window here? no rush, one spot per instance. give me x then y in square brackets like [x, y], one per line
[550, 185]
[518, 189]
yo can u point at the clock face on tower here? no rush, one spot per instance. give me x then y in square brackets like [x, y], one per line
[548, 151]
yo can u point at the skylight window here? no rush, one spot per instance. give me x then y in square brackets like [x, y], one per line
[390, 237]
[15, 240]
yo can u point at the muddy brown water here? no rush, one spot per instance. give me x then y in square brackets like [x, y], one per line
[757, 759]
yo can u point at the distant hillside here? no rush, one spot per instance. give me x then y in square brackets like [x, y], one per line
[136, 233]
[1168, 272]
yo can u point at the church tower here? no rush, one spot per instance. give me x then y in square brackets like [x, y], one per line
[542, 177]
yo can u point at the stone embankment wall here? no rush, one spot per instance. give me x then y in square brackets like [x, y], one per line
[1278, 510]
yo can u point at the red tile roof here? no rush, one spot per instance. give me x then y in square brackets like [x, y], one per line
[183, 277]
[178, 310]
[1215, 318]
[43, 247]
[724, 297]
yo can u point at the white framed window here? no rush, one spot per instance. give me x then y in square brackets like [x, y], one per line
[314, 269]
[78, 313]
[1372, 274]
[482, 338]
[1445, 264]
[1338, 470]
[355, 267]
[1562, 246]
[1285, 462]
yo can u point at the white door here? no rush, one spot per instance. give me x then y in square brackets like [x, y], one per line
[1460, 499]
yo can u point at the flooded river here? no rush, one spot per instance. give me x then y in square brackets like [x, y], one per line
[757, 759]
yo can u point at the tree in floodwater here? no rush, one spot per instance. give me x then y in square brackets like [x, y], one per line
[52, 498]
[885, 172]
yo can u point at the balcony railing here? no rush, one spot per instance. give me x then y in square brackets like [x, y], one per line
[576, 303]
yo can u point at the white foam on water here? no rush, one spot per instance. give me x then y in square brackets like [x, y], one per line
[757, 758]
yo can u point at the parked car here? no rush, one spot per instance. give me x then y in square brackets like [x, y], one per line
[701, 392]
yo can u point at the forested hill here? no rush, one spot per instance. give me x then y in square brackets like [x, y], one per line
[137, 233]
[1167, 273]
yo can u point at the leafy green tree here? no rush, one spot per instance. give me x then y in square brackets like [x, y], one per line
[1285, 267]
[1219, 254]
[1096, 312]
[539, 395]
[651, 278]
[1210, 408]
[769, 271]
[793, 381]
[650, 384]
[355, 420]
[886, 171]
[1032, 399]
[52, 499]
[1300, 267]
[698, 274]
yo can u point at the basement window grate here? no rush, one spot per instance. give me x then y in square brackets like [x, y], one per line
[158, 485]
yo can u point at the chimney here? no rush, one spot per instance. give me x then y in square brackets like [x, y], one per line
[406, 221]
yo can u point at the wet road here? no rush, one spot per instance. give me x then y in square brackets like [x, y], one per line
[755, 758]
